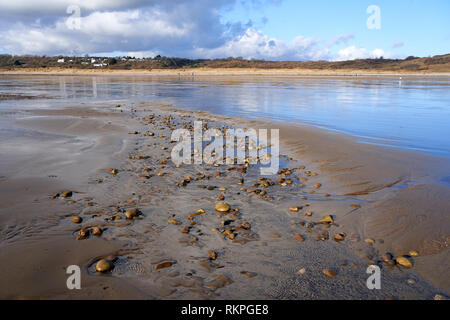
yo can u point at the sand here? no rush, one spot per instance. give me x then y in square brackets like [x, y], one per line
[403, 207]
[209, 72]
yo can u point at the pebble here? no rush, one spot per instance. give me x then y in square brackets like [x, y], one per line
[113, 171]
[230, 234]
[222, 207]
[327, 219]
[369, 241]
[246, 225]
[299, 238]
[96, 231]
[66, 194]
[317, 185]
[339, 237]
[302, 271]
[103, 265]
[329, 273]
[212, 255]
[130, 214]
[413, 253]
[173, 221]
[83, 234]
[76, 219]
[163, 265]
[404, 262]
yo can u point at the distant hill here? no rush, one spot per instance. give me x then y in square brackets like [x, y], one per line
[440, 63]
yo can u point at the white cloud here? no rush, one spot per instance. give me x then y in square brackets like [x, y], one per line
[352, 53]
[181, 28]
[254, 44]
[169, 29]
[56, 7]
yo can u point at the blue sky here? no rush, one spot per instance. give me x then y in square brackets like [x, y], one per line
[262, 29]
[422, 26]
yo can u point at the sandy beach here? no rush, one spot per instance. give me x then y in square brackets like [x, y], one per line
[273, 242]
[220, 72]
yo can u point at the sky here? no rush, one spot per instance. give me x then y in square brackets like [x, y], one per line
[297, 30]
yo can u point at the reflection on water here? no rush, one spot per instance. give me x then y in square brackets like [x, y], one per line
[409, 112]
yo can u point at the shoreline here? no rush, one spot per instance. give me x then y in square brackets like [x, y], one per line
[363, 210]
[221, 72]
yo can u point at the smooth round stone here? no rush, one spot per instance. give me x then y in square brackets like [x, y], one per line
[76, 219]
[223, 207]
[413, 253]
[163, 265]
[404, 262]
[130, 214]
[96, 231]
[103, 265]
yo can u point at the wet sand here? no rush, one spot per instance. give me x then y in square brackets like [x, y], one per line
[392, 197]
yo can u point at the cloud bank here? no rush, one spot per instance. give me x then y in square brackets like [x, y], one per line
[181, 28]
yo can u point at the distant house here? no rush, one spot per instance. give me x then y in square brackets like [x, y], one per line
[100, 64]
[93, 60]
[61, 60]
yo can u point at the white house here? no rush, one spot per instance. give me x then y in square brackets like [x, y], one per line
[61, 60]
